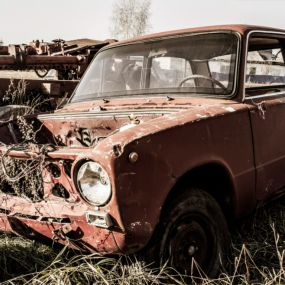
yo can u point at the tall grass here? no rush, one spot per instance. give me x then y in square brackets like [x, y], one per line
[258, 257]
[258, 253]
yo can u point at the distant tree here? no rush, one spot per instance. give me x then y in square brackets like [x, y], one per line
[130, 18]
[1, 42]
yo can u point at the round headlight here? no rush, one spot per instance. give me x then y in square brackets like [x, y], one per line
[94, 183]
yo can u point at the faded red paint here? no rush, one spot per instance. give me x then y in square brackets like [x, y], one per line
[172, 138]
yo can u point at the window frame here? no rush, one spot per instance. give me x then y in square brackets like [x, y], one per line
[165, 91]
[268, 34]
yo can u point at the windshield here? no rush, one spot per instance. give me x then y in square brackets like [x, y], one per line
[199, 63]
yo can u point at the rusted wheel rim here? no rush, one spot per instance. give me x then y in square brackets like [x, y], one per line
[191, 238]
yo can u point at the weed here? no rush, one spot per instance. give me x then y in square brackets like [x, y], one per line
[17, 94]
[24, 177]
[258, 258]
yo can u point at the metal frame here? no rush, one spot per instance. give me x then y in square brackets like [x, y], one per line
[245, 66]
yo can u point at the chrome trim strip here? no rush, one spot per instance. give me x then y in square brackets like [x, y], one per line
[276, 94]
[117, 114]
[245, 59]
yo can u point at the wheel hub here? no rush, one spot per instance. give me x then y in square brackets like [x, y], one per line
[190, 240]
[192, 250]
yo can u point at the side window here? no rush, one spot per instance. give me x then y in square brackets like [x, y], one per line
[265, 63]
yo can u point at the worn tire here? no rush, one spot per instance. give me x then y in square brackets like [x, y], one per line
[192, 226]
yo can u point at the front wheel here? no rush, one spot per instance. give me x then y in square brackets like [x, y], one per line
[193, 234]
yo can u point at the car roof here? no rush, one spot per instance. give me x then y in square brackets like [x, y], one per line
[240, 28]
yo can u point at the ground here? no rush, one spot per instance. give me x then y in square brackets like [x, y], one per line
[258, 257]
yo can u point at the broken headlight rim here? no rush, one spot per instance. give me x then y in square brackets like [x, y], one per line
[93, 183]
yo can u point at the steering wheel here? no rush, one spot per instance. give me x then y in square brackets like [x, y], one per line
[196, 76]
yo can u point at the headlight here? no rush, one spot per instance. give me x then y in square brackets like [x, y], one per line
[94, 183]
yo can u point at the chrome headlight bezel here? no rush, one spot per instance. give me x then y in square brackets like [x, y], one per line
[101, 180]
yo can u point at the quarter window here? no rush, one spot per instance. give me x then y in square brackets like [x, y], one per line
[265, 63]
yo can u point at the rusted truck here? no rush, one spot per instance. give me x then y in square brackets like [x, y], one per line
[167, 139]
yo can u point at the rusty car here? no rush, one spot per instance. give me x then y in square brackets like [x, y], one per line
[167, 140]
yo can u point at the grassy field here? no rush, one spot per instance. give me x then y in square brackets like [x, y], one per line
[258, 257]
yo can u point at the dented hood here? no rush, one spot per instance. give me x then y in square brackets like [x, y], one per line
[86, 123]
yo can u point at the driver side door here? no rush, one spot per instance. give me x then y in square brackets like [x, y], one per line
[265, 95]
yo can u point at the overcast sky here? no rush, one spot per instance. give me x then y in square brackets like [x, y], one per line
[22, 21]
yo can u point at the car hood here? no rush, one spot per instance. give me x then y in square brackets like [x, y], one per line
[87, 123]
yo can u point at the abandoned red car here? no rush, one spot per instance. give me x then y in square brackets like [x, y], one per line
[166, 139]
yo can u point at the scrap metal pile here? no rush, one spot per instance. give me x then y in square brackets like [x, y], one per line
[67, 59]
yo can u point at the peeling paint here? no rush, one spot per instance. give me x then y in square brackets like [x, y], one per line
[230, 109]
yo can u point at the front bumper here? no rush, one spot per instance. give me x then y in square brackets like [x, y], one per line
[69, 227]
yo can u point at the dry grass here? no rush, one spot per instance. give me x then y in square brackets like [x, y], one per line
[34, 100]
[258, 251]
[23, 261]
[258, 258]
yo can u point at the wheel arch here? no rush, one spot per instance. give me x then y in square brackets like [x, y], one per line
[214, 178]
